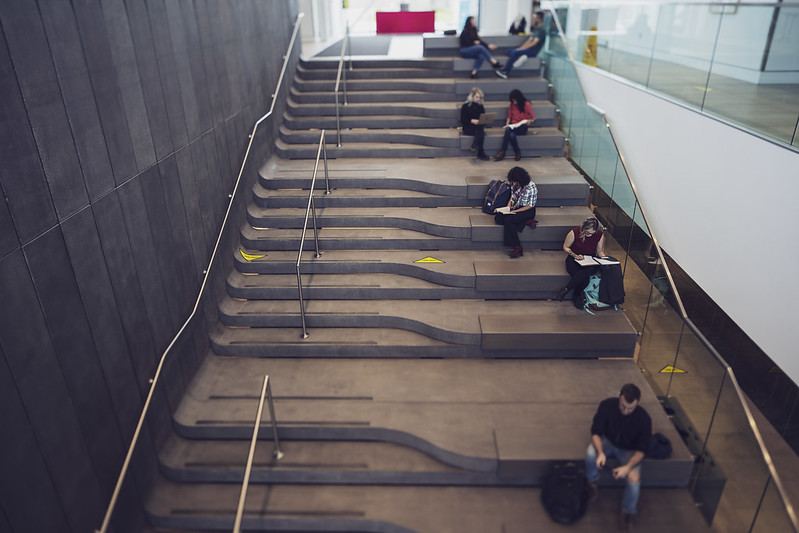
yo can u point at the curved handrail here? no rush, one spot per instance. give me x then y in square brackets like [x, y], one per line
[311, 208]
[684, 315]
[341, 74]
[206, 272]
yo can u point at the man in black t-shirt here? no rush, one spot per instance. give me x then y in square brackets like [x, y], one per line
[621, 429]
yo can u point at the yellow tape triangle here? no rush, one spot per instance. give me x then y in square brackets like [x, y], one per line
[668, 369]
[428, 260]
[250, 257]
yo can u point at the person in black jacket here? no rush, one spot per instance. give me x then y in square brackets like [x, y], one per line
[470, 115]
[621, 429]
[472, 46]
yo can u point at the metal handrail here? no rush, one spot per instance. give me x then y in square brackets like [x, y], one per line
[206, 273]
[684, 315]
[311, 209]
[341, 74]
[266, 392]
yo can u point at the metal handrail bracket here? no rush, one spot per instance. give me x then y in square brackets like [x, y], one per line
[310, 210]
[154, 382]
[278, 454]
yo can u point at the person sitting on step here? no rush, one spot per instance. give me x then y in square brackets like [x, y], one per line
[520, 116]
[528, 48]
[621, 429]
[587, 239]
[470, 118]
[473, 47]
[520, 211]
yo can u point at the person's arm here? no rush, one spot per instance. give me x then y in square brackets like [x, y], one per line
[596, 440]
[528, 109]
[529, 43]
[600, 246]
[621, 472]
[507, 120]
[567, 242]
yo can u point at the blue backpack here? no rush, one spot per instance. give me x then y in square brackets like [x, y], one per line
[498, 195]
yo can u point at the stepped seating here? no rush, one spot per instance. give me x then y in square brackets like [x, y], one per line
[439, 380]
[355, 428]
[410, 109]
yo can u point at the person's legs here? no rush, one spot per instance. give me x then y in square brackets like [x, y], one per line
[513, 55]
[477, 52]
[632, 487]
[506, 139]
[479, 141]
[512, 134]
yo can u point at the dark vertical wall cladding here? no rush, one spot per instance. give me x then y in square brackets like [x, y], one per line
[123, 125]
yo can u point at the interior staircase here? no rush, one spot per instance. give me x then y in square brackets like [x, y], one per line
[440, 378]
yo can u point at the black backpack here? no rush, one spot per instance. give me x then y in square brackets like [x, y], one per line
[611, 287]
[565, 492]
[498, 195]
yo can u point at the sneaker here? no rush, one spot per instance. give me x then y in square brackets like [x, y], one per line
[474, 75]
[626, 521]
[483, 157]
[593, 486]
[501, 74]
[497, 65]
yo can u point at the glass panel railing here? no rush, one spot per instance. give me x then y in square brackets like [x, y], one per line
[697, 387]
[737, 62]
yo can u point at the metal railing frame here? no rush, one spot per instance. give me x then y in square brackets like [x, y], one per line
[341, 74]
[206, 273]
[684, 315]
[266, 392]
[310, 209]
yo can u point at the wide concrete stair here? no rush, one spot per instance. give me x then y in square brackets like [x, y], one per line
[439, 378]
[407, 108]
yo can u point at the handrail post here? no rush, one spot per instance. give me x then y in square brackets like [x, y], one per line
[338, 123]
[265, 393]
[327, 179]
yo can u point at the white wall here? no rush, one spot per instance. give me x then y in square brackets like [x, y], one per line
[722, 203]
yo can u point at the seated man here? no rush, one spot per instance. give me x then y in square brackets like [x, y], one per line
[529, 48]
[621, 429]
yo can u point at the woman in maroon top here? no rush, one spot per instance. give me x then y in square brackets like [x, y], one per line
[587, 239]
[520, 116]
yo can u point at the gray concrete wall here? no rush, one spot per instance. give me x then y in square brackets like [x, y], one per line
[122, 128]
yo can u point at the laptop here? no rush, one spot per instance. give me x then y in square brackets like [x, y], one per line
[486, 118]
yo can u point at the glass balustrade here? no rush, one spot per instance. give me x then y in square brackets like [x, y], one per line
[737, 62]
[732, 481]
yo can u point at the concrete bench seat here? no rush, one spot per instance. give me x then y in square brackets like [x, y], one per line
[531, 67]
[450, 45]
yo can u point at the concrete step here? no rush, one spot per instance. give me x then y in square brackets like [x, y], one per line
[377, 508]
[559, 184]
[545, 111]
[426, 418]
[422, 142]
[432, 88]
[435, 46]
[328, 63]
[343, 198]
[483, 328]
[439, 228]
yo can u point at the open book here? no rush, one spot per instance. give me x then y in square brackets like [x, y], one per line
[505, 209]
[514, 126]
[590, 260]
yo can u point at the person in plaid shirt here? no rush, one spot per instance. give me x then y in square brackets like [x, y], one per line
[520, 211]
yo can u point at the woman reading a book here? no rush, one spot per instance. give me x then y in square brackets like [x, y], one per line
[585, 240]
[520, 116]
[520, 210]
[470, 121]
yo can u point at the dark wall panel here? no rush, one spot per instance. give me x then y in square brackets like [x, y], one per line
[145, 261]
[123, 124]
[96, 45]
[44, 394]
[22, 177]
[76, 89]
[151, 83]
[130, 88]
[8, 234]
[30, 54]
[69, 328]
[101, 307]
[125, 284]
[26, 489]
[180, 50]
[165, 59]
